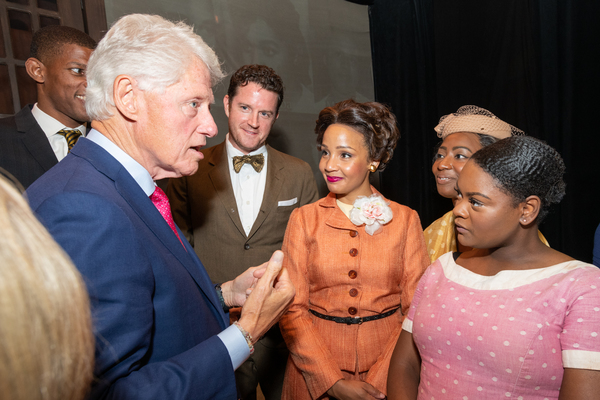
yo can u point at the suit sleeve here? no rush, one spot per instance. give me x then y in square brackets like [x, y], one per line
[310, 194]
[412, 266]
[307, 349]
[177, 192]
[104, 246]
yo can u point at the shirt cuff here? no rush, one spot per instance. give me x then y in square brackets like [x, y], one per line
[581, 359]
[236, 345]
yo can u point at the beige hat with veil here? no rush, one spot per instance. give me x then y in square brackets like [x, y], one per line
[475, 119]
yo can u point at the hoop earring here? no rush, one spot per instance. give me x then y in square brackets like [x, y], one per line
[373, 168]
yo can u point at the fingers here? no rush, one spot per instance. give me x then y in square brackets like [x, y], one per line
[349, 389]
[259, 271]
[285, 287]
[372, 391]
[266, 303]
[272, 270]
[283, 278]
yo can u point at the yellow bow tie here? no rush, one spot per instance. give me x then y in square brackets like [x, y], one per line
[257, 162]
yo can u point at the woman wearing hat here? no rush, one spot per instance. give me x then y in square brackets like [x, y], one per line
[463, 133]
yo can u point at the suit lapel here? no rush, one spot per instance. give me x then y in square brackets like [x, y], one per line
[221, 181]
[34, 139]
[272, 188]
[143, 206]
[131, 192]
[336, 218]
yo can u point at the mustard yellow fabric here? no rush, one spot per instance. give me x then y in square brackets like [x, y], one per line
[440, 237]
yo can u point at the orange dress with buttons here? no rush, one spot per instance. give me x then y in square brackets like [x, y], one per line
[341, 271]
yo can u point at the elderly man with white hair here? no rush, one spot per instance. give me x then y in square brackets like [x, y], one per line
[161, 332]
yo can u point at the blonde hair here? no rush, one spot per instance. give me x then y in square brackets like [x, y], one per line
[46, 340]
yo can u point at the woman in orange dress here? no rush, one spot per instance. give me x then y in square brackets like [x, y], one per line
[355, 259]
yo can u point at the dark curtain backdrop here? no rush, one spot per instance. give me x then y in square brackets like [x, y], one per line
[534, 64]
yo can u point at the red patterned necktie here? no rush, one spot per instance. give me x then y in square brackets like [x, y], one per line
[161, 202]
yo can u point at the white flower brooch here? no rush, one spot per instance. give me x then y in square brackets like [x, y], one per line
[372, 211]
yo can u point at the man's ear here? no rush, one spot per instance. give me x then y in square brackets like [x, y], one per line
[36, 69]
[530, 209]
[226, 104]
[126, 96]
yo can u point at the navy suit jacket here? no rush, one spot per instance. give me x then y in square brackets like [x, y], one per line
[25, 151]
[154, 309]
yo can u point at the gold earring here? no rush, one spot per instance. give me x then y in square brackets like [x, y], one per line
[373, 168]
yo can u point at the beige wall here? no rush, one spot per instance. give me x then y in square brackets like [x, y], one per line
[321, 49]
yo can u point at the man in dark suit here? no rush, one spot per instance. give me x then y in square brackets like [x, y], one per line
[30, 142]
[160, 326]
[235, 209]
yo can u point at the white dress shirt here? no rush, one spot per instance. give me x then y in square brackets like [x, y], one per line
[232, 337]
[51, 126]
[248, 185]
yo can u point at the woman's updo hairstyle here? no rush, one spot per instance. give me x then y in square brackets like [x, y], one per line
[373, 120]
[524, 166]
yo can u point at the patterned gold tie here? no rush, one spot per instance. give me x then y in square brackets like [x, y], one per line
[257, 162]
[71, 135]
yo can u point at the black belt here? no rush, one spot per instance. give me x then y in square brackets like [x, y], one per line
[353, 320]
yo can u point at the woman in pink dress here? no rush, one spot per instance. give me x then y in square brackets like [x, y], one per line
[511, 318]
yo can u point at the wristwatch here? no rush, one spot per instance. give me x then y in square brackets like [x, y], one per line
[220, 294]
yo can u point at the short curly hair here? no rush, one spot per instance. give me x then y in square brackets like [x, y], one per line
[263, 76]
[48, 41]
[524, 166]
[373, 120]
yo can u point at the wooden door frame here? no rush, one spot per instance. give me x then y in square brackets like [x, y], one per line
[94, 17]
[86, 15]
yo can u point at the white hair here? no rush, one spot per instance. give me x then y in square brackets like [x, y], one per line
[150, 49]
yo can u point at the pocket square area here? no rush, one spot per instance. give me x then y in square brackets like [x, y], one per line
[285, 203]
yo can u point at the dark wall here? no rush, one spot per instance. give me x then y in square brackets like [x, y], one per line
[532, 63]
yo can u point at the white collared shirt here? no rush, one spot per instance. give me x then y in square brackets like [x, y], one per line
[248, 185]
[51, 126]
[232, 337]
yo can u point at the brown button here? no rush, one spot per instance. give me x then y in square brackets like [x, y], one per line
[353, 233]
[247, 246]
[353, 252]
[352, 311]
[353, 292]
[352, 274]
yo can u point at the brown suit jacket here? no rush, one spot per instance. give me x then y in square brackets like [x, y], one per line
[340, 270]
[204, 208]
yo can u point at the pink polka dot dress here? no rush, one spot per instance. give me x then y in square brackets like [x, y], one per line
[504, 336]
